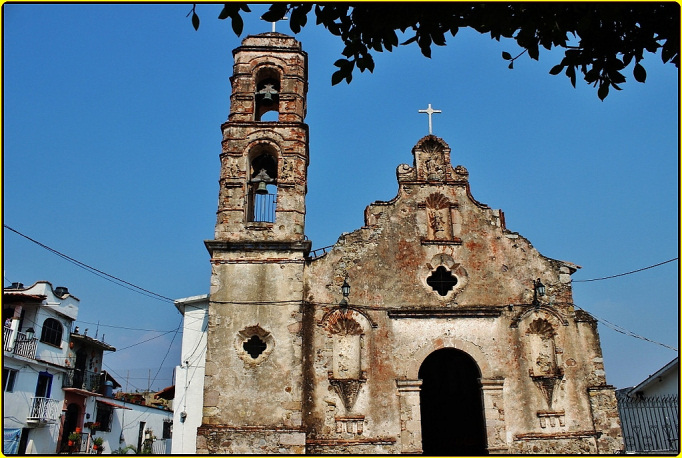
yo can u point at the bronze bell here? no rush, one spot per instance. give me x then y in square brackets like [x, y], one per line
[267, 99]
[262, 188]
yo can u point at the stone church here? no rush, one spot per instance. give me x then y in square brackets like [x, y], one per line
[432, 329]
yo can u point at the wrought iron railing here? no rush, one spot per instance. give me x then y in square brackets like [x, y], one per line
[79, 378]
[44, 410]
[22, 345]
[650, 424]
[264, 206]
[319, 252]
[6, 336]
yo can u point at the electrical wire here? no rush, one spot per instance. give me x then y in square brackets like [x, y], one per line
[122, 327]
[168, 351]
[145, 341]
[624, 331]
[97, 272]
[626, 273]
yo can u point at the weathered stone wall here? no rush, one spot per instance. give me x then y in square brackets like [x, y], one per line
[253, 385]
[537, 363]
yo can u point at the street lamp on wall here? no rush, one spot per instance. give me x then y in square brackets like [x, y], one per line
[30, 334]
[539, 290]
[345, 290]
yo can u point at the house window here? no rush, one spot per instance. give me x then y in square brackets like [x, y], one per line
[167, 429]
[8, 378]
[52, 332]
[104, 414]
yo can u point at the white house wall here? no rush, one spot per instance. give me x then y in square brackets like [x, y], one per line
[189, 376]
[125, 423]
[16, 405]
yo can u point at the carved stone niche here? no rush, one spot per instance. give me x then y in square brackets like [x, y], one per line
[432, 159]
[347, 375]
[544, 370]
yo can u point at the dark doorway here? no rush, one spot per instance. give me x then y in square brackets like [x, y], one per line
[71, 417]
[451, 405]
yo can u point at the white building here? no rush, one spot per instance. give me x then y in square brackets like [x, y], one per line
[649, 412]
[144, 428]
[37, 324]
[189, 376]
[54, 385]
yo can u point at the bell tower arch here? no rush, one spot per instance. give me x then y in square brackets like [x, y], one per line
[254, 361]
[260, 157]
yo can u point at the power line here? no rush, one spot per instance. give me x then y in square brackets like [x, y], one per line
[99, 273]
[123, 327]
[627, 273]
[167, 352]
[145, 341]
[624, 331]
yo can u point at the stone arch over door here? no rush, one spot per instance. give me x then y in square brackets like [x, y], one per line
[446, 342]
[492, 384]
[451, 405]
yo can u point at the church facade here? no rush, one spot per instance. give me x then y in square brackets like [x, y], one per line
[432, 329]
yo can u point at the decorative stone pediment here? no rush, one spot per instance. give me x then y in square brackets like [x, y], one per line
[348, 390]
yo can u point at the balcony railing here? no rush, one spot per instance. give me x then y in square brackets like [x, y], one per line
[44, 410]
[22, 346]
[79, 378]
[6, 336]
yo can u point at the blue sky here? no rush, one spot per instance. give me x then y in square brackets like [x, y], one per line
[111, 131]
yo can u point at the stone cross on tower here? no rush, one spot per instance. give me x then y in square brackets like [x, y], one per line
[275, 22]
[430, 111]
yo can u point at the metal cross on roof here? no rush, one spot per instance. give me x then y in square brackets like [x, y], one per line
[275, 22]
[430, 111]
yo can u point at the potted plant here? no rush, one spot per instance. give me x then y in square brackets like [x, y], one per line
[74, 439]
[97, 444]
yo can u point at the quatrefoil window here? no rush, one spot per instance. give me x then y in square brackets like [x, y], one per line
[441, 280]
[255, 346]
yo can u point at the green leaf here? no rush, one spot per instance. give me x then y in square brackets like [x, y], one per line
[195, 21]
[337, 76]
[556, 69]
[344, 65]
[603, 91]
[409, 40]
[570, 72]
[506, 55]
[237, 24]
[639, 73]
[226, 11]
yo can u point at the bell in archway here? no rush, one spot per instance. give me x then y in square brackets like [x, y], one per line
[267, 99]
[262, 179]
[268, 94]
[262, 188]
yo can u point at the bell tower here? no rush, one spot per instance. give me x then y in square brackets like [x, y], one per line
[254, 362]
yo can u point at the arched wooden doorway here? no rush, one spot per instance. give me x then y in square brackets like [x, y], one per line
[451, 405]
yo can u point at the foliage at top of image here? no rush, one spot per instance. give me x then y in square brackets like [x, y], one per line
[600, 39]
